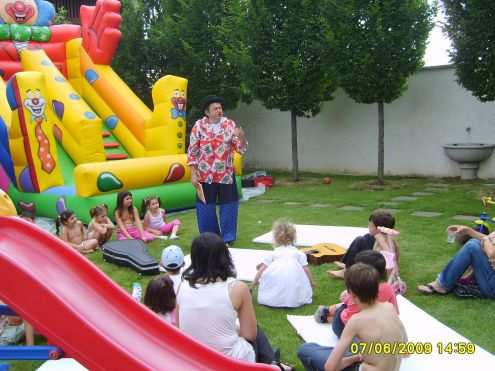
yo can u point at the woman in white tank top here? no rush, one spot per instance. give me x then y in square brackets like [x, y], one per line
[210, 300]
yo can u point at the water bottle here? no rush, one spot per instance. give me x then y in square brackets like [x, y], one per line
[137, 291]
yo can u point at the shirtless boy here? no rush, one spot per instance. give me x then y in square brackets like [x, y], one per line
[377, 323]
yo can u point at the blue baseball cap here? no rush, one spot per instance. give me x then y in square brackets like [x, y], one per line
[172, 257]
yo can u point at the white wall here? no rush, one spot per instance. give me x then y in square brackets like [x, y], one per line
[343, 138]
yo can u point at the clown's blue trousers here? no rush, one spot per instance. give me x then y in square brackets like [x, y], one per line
[226, 196]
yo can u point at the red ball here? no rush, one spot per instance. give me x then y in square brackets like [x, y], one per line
[327, 180]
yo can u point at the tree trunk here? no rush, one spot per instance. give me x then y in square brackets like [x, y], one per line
[295, 161]
[381, 146]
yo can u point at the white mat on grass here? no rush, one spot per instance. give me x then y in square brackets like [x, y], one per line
[309, 235]
[63, 364]
[420, 327]
[245, 262]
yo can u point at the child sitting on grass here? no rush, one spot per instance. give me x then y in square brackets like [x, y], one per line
[376, 323]
[340, 314]
[128, 221]
[100, 226]
[74, 233]
[154, 220]
[160, 297]
[172, 261]
[284, 278]
[379, 218]
[388, 247]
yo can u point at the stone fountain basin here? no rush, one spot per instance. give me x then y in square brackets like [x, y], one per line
[468, 152]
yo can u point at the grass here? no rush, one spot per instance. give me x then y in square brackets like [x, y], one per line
[424, 250]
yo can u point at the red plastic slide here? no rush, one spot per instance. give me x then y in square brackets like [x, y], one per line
[78, 308]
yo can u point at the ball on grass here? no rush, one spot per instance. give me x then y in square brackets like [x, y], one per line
[327, 180]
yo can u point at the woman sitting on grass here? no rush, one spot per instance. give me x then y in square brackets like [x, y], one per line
[210, 300]
[477, 253]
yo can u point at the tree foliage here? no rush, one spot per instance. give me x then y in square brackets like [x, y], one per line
[470, 27]
[132, 60]
[290, 46]
[62, 16]
[380, 43]
[200, 40]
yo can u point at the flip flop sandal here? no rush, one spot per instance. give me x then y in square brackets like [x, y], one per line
[284, 366]
[429, 289]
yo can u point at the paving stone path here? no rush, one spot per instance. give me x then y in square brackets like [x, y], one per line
[465, 218]
[351, 208]
[320, 205]
[404, 198]
[390, 203]
[292, 203]
[423, 194]
[426, 214]
[437, 185]
[391, 211]
[440, 189]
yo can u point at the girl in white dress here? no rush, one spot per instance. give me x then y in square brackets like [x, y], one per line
[283, 276]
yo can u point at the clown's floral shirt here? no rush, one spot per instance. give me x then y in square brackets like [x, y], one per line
[211, 149]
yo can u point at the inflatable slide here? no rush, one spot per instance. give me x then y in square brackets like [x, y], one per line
[72, 133]
[79, 309]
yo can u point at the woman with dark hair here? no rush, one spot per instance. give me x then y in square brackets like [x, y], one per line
[210, 300]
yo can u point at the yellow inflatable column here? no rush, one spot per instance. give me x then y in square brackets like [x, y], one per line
[165, 132]
[81, 129]
[32, 143]
[5, 111]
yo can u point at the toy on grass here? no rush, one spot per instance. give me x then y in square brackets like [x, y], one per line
[327, 180]
[485, 223]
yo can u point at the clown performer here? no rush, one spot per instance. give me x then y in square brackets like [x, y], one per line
[210, 155]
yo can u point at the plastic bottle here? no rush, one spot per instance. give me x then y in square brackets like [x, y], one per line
[137, 291]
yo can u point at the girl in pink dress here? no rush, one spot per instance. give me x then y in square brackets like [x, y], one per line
[389, 248]
[154, 220]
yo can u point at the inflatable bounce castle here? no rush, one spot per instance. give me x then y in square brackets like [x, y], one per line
[72, 133]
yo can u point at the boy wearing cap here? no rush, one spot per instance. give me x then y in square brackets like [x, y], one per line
[172, 261]
[210, 155]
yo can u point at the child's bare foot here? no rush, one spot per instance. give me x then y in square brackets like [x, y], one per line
[339, 264]
[336, 274]
[389, 231]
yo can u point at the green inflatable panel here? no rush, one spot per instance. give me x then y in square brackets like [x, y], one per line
[41, 33]
[174, 196]
[20, 32]
[4, 32]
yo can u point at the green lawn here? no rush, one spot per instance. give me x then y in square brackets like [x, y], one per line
[424, 250]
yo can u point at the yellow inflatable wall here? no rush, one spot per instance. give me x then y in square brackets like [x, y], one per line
[98, 178]
[32, 143]
[80, 131]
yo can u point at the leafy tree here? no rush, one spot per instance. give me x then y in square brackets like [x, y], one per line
[133, 55]
[470, 27]
[62, 16]
[380, 43]
[290, 45]
[199, 40]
